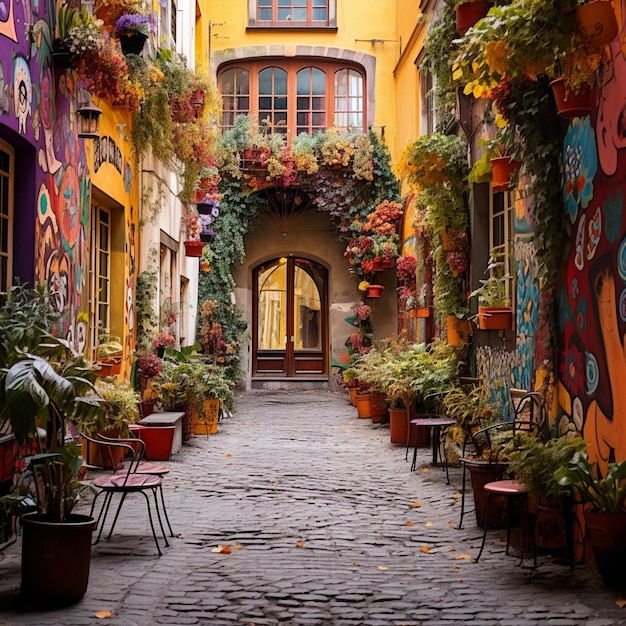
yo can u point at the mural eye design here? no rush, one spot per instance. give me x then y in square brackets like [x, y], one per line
[622, 306]
[581, 316]
[592, 374]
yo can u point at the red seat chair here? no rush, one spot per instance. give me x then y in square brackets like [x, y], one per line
[124, 482]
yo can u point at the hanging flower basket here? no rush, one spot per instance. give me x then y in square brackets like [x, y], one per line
[501, 170]
[194, 248]
[468, 13]
[374, 291]
[572, 104]
[132, 43]
[383, 263]
[597, 23]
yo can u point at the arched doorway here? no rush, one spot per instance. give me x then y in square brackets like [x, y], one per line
[290, 319]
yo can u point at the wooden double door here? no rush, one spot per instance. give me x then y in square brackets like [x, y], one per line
[290, 319]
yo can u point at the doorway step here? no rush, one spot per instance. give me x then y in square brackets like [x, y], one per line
[290, 384]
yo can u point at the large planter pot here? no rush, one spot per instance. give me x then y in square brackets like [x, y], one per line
[110, 366]
[55, 559]
[597, 23]
[364, 405]
[379, 409]
[353, 391]
[157, 439]
[495, 318]
[481, 473]
[607, 537]
[468, 13]
[206, 424]
[501, 170]
[398, 425]
[572, 104]
[92, 453]
[132, 43]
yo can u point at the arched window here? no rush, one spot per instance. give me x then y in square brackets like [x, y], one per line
[291, 96]
[235, 84]
[348, 98]
[273, 98]
[311, 101]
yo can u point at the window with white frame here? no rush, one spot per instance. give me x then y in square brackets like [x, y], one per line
[7, 163]
[501, 236]
[292, 96]
[427, 102]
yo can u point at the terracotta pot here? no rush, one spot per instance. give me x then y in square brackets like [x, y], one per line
[193, 248]
[158, 441]
[501, 170]
[468, 13]
[607, 536]
[206, 424]
[571, 105]
[353, 391]
[398, 425]
[92, 453]
[419, 312]
[597, 23]
[379, 408]
[374, 291]
[495, 318]
[364, 405]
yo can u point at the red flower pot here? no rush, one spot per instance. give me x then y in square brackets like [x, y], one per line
[468, 13]
[495, 318]
[571, 104]
[501, 170]
[374, 291]
[194, 248]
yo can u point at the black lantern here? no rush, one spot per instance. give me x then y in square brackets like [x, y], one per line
[89, 120]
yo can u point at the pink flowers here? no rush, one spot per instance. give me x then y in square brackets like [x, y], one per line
[164, 340]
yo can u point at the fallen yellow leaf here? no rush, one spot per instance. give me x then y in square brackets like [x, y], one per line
[272, 480]
[415, 505]
[410, 524]
[462, 557]
[450, 524]
[227, 454]
[455, 567]
[621, 602]
[221, 549]
[457, 496]
[103, 614]
[300, 544]
[382, 568]
[237, 547]
[425, 470]
[425, 548]
[459, 580]
[429, 523]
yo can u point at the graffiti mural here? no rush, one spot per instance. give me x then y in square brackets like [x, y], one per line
[592, 300]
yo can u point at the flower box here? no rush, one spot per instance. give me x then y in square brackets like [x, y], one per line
[468, 13]
[501, 170]
[495, 318]
[569, 105]
[425, 312]
[597, 23]
[111, 366]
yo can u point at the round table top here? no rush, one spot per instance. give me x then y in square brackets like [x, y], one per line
[433, 421]
[506, 487]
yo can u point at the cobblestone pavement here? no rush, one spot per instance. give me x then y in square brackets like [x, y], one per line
[321, 513]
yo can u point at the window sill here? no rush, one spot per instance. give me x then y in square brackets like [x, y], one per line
[294, 27]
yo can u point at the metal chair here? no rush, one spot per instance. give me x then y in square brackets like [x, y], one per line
[125, 482]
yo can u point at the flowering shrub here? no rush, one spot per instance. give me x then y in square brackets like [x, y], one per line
[406, 269]
[149, 365]
[193, 226]
[169, 312]
[134, 23]
[362, 310]
[164, 340]
[85, 35]
[382, 220]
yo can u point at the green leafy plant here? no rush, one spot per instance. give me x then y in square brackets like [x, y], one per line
[603, 494]
[493, 290]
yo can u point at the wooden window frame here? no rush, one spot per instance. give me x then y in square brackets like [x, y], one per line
[292, 66]
[256, 15]
[7, 201]
[501, 220]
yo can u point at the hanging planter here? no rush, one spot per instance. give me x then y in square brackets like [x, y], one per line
[194, 248]
[468, 13]
[383, 263]
[597, 23]
[374, 291]
[458, 330]
[495, 318]
[132, 43]
[501, 170]
[572, 104]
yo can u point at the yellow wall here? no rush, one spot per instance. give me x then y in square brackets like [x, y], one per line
[356, 20]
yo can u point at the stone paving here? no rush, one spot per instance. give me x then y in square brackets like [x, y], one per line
[326, 525]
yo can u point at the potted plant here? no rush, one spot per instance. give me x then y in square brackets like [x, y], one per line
[469, 12]
[603, 498]
[494, 303]
[216, 393]
[44, 386]
[109, 355]
[193, 229]
[132, 29]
